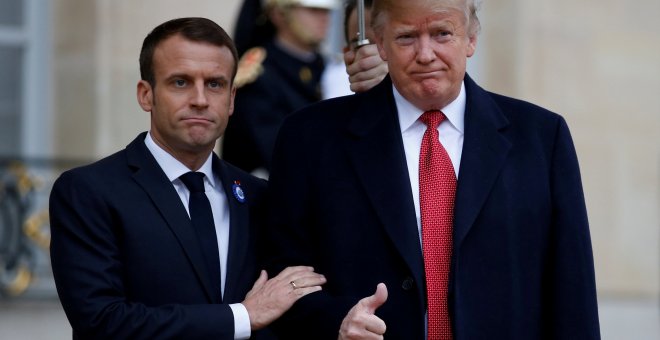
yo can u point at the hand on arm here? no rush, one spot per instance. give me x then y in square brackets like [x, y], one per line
[269, 299]
[360, 322]
[365, 68]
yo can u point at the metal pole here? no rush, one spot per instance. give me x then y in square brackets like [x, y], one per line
[361, 34]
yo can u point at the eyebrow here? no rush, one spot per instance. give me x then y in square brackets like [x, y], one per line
[220, 78]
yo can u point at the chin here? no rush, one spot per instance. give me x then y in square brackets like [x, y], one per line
[428, 92]
[202, 140]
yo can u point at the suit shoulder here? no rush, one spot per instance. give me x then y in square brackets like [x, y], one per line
[515, 109]
[102, 167]
[325, 111]
[519, 105]
[102, 176]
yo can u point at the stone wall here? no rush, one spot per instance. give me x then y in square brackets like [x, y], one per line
[597, 63]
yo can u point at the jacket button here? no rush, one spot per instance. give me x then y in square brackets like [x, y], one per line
[407, 284]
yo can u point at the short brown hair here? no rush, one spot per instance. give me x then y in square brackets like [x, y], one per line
[194, 29]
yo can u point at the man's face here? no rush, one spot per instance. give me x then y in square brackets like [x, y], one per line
[426, 50]
[308, 25]
[192, 99]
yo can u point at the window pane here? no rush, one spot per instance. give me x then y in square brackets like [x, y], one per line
[11, 66]
[11, 12]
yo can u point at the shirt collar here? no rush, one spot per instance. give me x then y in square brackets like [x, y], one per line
[409, 114]
[172, 167]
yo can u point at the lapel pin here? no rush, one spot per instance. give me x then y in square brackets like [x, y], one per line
[238, 191]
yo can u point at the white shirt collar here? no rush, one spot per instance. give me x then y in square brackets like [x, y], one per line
[172, 167]
[409, 114]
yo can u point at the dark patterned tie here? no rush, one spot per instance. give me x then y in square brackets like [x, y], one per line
[201, 217]
[437, 189]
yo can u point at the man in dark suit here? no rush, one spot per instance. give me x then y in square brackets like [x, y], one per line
[128, 261]
[495, 245]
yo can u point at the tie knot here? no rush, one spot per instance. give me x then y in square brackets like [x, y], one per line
[432, 118]
[193, 180]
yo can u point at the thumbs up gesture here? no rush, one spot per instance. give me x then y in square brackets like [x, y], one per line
[360, 322]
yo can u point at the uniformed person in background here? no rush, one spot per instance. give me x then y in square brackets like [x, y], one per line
[276, 79]
[252, 28]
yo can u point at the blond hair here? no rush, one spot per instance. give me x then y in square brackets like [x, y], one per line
[381, 8]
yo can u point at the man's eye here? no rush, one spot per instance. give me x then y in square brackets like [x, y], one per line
[214, 84]
[405, 39]
[443, 34]
[179, 83]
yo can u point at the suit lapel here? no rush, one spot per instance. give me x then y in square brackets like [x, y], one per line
[485, 148]
[376, 150]
[238, 232]
[152, 179]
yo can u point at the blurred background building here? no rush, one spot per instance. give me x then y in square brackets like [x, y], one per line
[68, 74]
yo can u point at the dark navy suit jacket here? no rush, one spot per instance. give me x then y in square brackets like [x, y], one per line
[522, 265]
[126, 260]
[286, 84]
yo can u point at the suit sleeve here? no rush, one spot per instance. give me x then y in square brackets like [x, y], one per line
[573, 312]
[291, 239]
[87, 264]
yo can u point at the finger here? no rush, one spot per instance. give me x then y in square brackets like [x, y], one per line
[370, 74]
[367, 69]
[366, 85]
[367, 50]
[372, 303]
[287, 272]
[349, 57]
[261, 280]
[363, 63]
[301, 279]
[350, 330]
[371, 62]
[375, 325]
[361, 335]
[307, 277]
[300, 292]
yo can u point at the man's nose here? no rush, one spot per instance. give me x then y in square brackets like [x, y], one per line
[199, 95]
[425, 52]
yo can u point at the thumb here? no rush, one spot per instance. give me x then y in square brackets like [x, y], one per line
[371, 303]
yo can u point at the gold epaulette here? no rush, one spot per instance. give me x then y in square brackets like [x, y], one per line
[250, 66]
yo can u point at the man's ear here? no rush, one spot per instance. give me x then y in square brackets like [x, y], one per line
[472, 45]
[145, 95]
[379, 44]
[231, 99]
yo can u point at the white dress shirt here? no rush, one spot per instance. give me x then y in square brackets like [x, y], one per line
[451, 132]
[216, 194]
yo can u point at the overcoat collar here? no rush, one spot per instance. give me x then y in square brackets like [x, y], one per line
[376, 150]
[485, 148]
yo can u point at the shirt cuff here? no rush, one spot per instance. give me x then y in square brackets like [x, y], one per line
[241, 321]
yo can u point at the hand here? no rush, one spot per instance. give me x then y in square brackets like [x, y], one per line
[269, 299]
[365, 68]
[360, 322]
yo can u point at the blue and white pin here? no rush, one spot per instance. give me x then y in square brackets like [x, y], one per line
[238, 191]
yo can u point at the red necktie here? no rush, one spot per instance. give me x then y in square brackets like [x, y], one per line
[437, 189]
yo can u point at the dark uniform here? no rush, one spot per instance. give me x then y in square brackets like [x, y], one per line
[282, 84]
